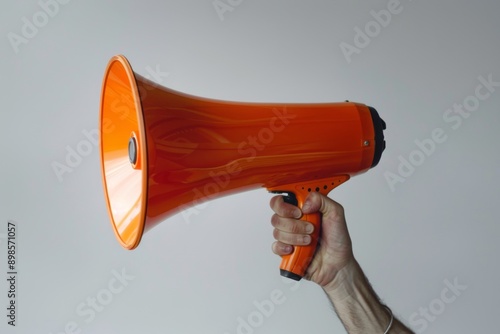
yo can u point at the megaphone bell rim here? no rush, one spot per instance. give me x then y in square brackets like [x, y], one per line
[128, 133]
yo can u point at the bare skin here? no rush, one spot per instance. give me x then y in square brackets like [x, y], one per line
[333, 267]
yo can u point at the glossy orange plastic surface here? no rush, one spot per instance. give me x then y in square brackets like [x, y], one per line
[192, 149]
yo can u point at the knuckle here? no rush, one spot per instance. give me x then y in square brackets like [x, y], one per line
[335, 205]
[275, 203]
[276, 234]
[290, 210]
[338, 211]
[286, 209]
[296, 227]
[339, 208]
[275, 248]
[301, 239]
[275, 220]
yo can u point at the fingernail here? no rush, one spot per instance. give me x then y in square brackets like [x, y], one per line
[309, 228]
[297, 213]
[287, 248]
[306, 206]
[307, 239]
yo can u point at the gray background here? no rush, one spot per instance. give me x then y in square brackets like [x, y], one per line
[199, 275]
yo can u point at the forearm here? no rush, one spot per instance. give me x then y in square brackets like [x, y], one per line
[357, 305]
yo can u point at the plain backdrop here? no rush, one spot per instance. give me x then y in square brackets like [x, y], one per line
[435, 225]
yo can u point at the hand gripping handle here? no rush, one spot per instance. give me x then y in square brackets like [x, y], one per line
[294, 265]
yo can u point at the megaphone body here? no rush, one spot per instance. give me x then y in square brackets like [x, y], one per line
[164, 151]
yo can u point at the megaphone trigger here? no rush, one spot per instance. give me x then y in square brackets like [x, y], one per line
[288, 196]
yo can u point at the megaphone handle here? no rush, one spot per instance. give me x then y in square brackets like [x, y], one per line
[294, 265]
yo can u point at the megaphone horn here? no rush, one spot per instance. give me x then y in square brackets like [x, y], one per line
[169, 150]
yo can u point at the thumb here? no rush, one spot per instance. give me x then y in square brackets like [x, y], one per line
[313, 203]
[317, 202]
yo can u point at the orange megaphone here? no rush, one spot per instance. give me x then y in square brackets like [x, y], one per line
[163, 151]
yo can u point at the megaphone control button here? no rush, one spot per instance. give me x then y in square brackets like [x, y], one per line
[132, 150]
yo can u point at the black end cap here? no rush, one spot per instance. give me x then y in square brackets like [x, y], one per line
[289, 274]
[378, 126]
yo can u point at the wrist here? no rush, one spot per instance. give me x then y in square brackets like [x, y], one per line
[344, 277]
[355, 302]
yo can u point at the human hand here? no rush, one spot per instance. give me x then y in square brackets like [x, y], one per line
[334, 250]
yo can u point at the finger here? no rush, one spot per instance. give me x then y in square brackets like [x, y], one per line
[284, 209]
[292, 238]
[281, 249]
[316, 202]
[291, 225]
